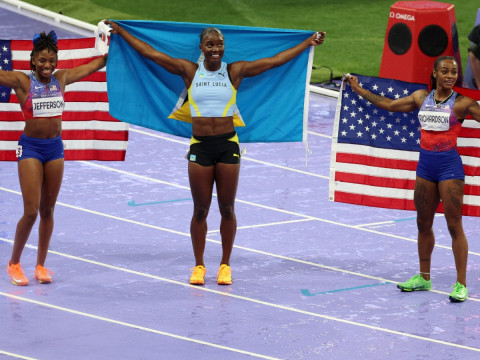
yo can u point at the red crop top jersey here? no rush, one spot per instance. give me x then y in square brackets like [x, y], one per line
[439, 126]
[43, 100]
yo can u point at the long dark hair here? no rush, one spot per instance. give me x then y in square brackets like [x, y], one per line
[43, 41]
[433, 80]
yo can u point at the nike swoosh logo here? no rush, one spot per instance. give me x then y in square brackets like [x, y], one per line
[417, 287]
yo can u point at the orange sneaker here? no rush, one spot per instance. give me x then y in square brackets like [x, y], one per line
[224, 275]
[16, 275]
[198, 275]
[43, 274]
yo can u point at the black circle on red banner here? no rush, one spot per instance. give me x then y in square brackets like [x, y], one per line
[399, 38]
[433, 40]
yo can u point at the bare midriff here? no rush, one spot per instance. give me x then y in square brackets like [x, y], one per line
[207, 126]
[43, 128]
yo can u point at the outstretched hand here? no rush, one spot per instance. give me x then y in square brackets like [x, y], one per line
[318, 38]
[352, 81]
[113, 25]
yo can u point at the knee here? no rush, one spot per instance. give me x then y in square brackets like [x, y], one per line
[47, 212]
[227, 211]
[454, 224]
[200, 212]
[30, 214]
[424, 225]
[455, 230]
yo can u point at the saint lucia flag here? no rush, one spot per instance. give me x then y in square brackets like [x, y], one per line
[271, 107]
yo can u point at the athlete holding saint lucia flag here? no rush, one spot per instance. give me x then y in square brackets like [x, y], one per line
[214, 155]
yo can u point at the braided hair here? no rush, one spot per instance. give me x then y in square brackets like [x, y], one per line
[41, 42]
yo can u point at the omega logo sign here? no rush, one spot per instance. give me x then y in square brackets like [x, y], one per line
[407, 17]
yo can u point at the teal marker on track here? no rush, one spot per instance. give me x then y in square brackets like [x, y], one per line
[133, 203]
[406, 219]
[306, 292]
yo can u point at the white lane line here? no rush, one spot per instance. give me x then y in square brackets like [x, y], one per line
[389, 222]
[16, 356]
[134, 326]
[263, 225]
[224, 293]
[163, 137]
[285, 168]
[243, 157]
[265, 253]
[236, 246]
[184, 187]
[356, 227]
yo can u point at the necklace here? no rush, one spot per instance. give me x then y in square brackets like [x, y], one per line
[438, 102]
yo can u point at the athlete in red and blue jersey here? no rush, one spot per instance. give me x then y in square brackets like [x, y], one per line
[40, 148]
[440, 174]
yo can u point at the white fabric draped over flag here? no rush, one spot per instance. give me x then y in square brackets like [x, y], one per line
[89, 132]
[375, 152]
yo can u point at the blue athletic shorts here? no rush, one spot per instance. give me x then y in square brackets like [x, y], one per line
[440, 166]
[44, 150]
[209, 150]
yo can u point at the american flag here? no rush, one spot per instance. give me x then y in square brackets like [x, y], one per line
[375, 152]
[89, 132]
